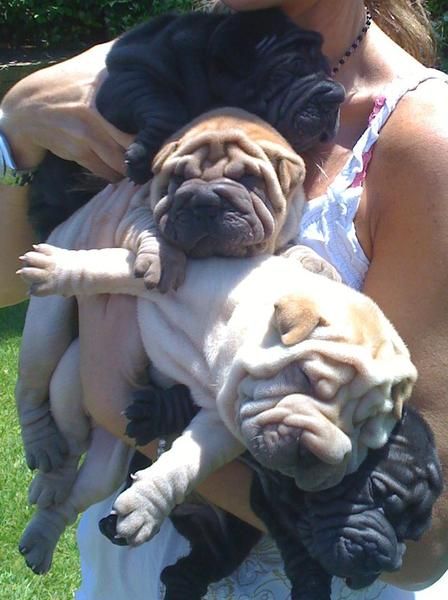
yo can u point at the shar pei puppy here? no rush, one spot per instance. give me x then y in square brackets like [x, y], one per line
[227, 184]
[173, 68]
[166, 72]
[284, 362]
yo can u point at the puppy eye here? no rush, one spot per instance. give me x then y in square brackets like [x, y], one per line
[177, 179]
[175, 182]
[251, 181]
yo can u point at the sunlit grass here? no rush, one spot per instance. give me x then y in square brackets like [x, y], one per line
[17, 582]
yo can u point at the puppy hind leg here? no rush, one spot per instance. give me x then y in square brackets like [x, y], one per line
[47, 334]
[309, 580]
[74, 425]
[103, 469]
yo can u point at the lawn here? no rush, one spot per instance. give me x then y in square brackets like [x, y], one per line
[17, 582]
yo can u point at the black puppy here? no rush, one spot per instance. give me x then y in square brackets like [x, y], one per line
[173, 68]
[355, 530]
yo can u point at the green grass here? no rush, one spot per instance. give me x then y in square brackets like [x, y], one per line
[17, 582]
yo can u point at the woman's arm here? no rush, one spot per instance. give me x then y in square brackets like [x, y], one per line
[15, 238]
[52, 109]
[407, 191]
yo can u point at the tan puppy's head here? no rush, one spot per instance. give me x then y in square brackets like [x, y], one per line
[329, 384]
[227, 185]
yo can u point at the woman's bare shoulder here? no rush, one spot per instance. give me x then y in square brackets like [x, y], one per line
[419, 122]
[407, 180]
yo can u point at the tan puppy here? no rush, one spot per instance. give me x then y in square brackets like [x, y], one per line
[226, 185]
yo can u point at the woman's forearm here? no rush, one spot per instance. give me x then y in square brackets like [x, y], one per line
[16, 238]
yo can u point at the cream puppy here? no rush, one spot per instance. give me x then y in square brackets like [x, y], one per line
[284, 362]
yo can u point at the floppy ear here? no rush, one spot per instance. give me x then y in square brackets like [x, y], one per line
[167, 150]
[290, 173]
[288, 165]
[296, 317]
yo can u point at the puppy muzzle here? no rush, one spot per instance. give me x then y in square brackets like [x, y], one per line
[213, 218]
[357, 547]
[293, 437]
[308, 112]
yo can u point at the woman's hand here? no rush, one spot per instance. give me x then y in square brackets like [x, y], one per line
[54, 109]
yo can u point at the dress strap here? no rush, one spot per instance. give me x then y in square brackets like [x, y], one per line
[355, 169]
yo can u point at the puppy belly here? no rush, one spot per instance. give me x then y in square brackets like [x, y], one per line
[176, 354]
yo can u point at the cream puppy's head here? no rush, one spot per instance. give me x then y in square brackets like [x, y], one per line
[326, 382]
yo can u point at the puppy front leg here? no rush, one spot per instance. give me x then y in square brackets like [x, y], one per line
[49, 270]
[204, 446]
[159, 264]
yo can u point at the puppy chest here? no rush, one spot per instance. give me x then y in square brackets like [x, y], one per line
[173, 341]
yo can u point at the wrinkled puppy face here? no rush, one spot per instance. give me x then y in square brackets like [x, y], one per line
[356, 530]
[330, 386]
[277, 70]
[228, 185]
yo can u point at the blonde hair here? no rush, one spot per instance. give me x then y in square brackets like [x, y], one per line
[405, 21]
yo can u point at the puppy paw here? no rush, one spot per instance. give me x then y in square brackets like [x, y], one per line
[157, 412]
[138, 162]
[42, 269]
[51, 488]
[311, 261]
[138, 516]
[108, 527]
[37, 546]
[161, 266]
[45, 447]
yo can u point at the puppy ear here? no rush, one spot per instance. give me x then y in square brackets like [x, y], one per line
[167, 150]
[288, 165]
[295, 318]
[290, 173]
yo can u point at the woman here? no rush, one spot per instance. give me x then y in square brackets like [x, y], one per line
[378, 210]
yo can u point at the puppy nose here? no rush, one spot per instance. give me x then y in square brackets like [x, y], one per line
[205, 202]
[331, 92]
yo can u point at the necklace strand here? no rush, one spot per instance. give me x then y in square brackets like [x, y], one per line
[351, 50]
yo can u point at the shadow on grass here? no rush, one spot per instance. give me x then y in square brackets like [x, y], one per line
[11, 320]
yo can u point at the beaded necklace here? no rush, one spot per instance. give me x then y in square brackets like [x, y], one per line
[354, 45]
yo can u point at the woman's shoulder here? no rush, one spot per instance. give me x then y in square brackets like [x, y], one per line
[422, 111]
[416, 132]
[408, 173]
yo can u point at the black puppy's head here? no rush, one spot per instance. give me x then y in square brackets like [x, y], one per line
[358, 528]
[263, 62]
